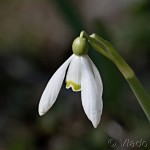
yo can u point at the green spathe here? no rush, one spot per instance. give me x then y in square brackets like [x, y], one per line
[80, 46]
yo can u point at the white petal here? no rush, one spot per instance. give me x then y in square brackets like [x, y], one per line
[97, 76]
[53, 87]
[91, 95]
[73, 78]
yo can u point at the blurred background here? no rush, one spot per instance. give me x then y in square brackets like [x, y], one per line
[35, 39]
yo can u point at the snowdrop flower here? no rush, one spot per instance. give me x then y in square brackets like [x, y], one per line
[82, 75]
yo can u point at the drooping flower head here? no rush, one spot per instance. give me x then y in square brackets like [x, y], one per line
[82, 75]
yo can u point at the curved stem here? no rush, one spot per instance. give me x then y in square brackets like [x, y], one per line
[141, 94]
[95, 44]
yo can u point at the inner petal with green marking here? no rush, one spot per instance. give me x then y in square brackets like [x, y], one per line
[73, 77]
[75, 87]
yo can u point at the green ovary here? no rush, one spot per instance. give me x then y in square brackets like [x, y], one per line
[75, 87]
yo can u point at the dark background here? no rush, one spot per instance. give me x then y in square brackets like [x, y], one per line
[36, 38]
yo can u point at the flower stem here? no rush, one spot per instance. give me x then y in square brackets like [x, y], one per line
[106, 49]
[141, 94]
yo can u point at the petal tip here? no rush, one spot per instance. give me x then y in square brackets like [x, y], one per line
[95, 124]
[41, 113]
